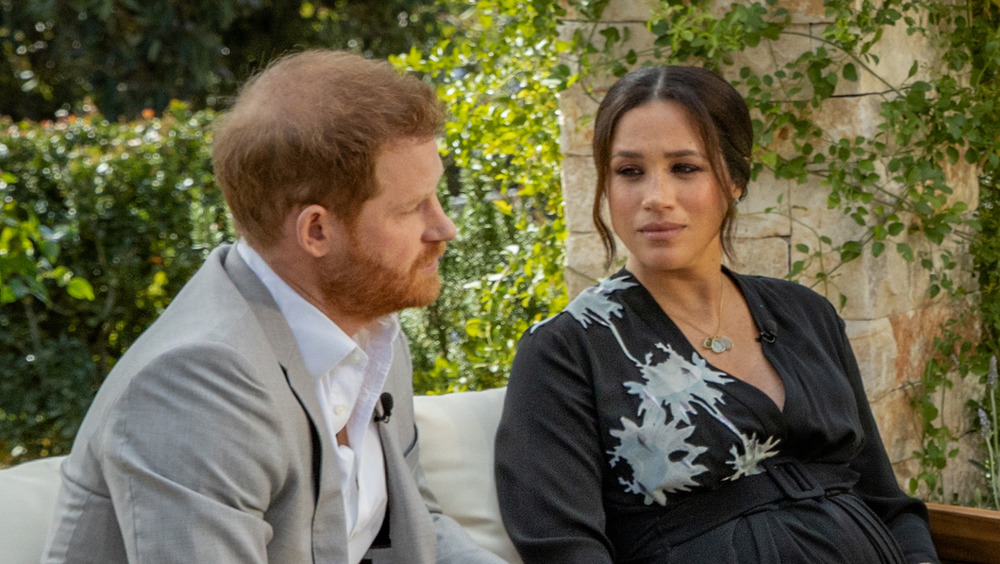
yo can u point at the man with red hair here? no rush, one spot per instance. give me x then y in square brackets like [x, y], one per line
[267, 415]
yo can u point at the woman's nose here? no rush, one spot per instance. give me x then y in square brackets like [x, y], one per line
[660, 192]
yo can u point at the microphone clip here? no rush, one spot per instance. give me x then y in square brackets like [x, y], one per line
[386, 400]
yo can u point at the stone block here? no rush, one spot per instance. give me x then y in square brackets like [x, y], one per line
[577, 109]
[963, 178]
[874, 286]
[905, 470]
[765, 256]
[847, 118]
[761, 214]
[874, 347]
[802, 11]
[898, 425]
[633, 35]
[960, 478]
[617, 10]
[769, 56]
[578, 184]
[896, 52]
[914, 332]
[954, 412]
[839, 118]
[584, 261]
[920, 277]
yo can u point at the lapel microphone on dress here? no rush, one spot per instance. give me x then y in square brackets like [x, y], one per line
[386, 400]
[770, 332]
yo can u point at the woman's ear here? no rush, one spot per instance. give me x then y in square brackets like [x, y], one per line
[738, 191]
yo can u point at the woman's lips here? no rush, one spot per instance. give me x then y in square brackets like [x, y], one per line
[661, 229]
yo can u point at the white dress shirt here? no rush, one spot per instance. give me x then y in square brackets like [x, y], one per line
[350, 374]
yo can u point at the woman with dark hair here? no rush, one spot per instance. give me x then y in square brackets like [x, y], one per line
[679, 411]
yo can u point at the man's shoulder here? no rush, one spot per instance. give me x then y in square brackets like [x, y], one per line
[209, 317]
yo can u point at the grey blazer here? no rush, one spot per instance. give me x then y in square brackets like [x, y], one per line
[206, 444]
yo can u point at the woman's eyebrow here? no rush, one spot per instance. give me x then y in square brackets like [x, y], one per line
[627, 154]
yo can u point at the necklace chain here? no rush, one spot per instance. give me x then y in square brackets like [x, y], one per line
[714, 341]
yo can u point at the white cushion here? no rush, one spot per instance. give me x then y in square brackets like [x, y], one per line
[27, 501]
[456, 449]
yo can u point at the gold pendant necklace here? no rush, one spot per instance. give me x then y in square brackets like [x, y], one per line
[714, 341]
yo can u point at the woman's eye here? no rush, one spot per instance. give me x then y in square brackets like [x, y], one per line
[683, 168]
[629, 171]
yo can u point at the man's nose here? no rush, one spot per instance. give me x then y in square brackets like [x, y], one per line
[442, 227]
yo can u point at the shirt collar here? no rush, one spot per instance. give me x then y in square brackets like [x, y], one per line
[322, 342]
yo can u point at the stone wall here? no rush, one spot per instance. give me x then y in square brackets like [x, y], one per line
[890, 319]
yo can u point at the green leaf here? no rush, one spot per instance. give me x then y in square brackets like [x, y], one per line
[413, 57]
[850, 251]
[80, 289]
[877, 248]
[905, 251]
[474, 327]
[952, 153]
[850, 72]
[504, 206]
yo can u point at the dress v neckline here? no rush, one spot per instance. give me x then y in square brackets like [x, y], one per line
[646, 307]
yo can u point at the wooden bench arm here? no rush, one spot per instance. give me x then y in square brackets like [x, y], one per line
[965, 534]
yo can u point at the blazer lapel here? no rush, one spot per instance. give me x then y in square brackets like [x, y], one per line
[411, 529]
[329, 535]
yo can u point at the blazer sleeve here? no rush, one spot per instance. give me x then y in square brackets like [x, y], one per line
[549, 464]
[906, 517]
[195, 455]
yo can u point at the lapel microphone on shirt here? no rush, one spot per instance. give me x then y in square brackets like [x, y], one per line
[386, 400]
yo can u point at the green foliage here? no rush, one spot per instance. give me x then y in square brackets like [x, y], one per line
[497, 72]
[103, 222]
[127, 55]
[986, 251]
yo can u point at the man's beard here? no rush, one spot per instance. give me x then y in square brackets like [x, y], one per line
[361, 286]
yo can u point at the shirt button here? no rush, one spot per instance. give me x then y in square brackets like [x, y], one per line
[340, 409]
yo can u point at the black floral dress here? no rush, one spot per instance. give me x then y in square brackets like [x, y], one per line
[620, 443]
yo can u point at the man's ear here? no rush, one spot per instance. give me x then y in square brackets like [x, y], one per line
[318, 231]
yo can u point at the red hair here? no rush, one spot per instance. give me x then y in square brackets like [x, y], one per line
[307, 130]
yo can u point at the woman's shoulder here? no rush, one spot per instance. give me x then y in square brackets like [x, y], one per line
[781, 289]
[599, 304]
[787, 297]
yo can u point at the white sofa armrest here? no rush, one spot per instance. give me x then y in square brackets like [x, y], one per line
[456, 449]
[27, 501]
